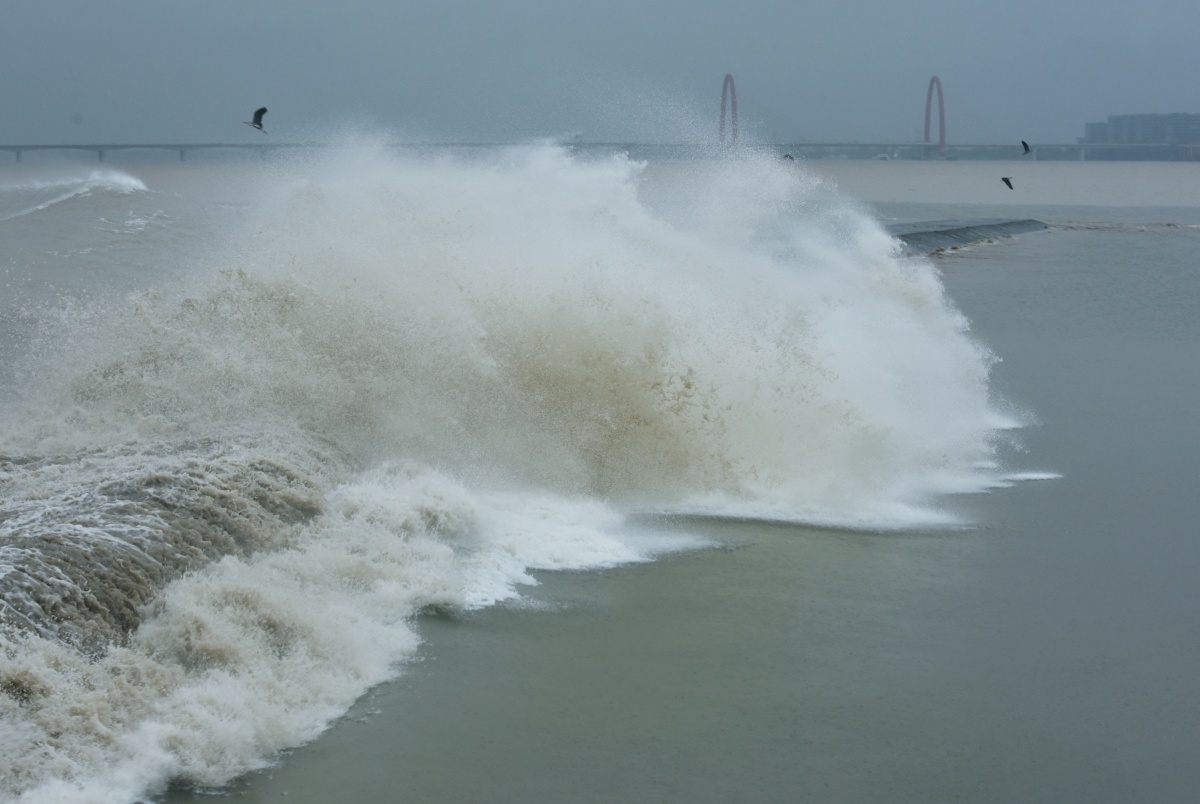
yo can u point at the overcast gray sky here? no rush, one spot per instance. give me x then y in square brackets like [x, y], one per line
[611, 70]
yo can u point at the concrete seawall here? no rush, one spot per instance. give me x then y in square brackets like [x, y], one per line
[928, 236]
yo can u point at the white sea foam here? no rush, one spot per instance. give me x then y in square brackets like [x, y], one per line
[25, 197]
[502, 356]
[1020, 477]
[253, 654]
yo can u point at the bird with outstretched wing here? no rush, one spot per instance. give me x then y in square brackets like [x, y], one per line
[257, 122]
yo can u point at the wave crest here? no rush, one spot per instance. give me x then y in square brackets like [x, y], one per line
[21, 198]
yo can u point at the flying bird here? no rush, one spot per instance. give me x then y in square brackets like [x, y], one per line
[257, 123]
[1007, 181]
[1025, 145]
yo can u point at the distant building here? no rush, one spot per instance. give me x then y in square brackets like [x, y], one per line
[1095, 133]
[1145, 129]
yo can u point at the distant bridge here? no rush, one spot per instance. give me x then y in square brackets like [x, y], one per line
[181, 148]
[1076, 151]
[810, 150]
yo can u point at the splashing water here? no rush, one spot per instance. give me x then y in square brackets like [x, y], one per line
[35, 195]
[406, 384]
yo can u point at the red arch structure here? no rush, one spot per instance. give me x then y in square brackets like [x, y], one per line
[936, 82]
[728, 90]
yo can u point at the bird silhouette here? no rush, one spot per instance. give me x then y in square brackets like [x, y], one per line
[1007, 181]
[1025, 145]
[257, 123]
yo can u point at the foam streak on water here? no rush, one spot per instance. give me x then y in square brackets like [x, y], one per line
[35, 195]
[406, 384]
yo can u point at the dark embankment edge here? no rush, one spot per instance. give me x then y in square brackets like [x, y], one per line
[929, 236]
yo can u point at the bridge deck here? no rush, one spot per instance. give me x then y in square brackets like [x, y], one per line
[878, 150]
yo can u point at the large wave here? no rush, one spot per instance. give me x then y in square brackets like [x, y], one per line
[29, 195]
[412, 381]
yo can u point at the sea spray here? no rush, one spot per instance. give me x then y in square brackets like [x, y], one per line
[403, 383]
[31, 195]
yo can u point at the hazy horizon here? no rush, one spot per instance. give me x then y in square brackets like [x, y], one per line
[138, 71]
